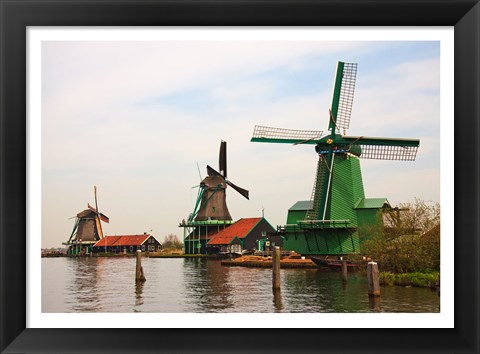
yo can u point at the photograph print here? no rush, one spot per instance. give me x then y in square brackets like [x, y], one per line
[240, 176]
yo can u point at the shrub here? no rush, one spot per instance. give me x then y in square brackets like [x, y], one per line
[410, 241]
[172, 242]
[410, 279]
[387, 278]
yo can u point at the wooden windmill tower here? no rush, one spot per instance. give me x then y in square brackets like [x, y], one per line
[212, 197]
[210, 212]
[87, 229]
[329, 222]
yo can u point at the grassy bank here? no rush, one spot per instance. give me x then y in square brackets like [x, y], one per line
[410, 279]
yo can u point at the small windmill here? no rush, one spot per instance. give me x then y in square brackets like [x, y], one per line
[330, 219]
[87, 229]
[211, 200]
[210, 214]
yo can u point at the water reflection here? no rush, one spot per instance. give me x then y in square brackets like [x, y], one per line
[207, 286]
[374, 303]
[200, 285]
[277, 300]
[83, 275]
[138, 294]
[324, 291]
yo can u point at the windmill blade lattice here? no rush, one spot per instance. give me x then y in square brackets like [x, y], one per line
[343, 95]
[288, 136]
[379, 152]
[384, 148]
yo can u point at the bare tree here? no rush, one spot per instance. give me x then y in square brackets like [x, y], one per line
[410, 241]
[172, 241]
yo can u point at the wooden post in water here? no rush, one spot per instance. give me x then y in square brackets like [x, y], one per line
[373, 279]
[139, 276]
[276, 268]
[344, 271]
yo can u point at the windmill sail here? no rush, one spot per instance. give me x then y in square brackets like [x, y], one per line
[264, 134]
[383, 148]
[222, 158]
[242, 191]
[213, 172]
[343, 92]
[102, 217]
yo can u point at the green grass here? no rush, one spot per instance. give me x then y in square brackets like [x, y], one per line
[410, 279]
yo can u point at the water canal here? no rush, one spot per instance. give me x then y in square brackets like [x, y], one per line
[201, 285]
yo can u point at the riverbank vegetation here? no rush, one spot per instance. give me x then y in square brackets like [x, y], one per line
[408, 249]
[430, 279]
[172, 245]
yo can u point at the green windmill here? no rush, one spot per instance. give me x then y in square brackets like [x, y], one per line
[337, 212]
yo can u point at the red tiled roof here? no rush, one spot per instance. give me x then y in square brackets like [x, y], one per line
[123, 240]
[221, 240]
[107, 241]
[239, 229]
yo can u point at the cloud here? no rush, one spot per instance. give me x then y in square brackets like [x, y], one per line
[134, 118]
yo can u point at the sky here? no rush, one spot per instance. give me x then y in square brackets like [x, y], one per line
[134, 118]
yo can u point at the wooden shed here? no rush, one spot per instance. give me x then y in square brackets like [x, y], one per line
[127, 244]
[243, 235]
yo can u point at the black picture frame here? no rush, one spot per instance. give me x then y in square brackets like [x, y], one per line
[17, 15]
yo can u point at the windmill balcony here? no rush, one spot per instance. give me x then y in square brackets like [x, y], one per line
[317, 224]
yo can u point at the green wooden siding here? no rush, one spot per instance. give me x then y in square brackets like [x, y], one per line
[295, 215]
[372, 203]
[328, 241]
[347, 189]
[298, 211]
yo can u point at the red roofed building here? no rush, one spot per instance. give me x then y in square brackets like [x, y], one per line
[196, 234]
[244, 235]
[127, 244]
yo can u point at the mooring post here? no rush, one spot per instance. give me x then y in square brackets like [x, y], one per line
[139, 276]
[276, 268]
[373, 279]
[344, 270]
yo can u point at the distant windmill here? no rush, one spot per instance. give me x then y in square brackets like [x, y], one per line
[211, 201]
[87, 229]
[328, 223]
[210, 214]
